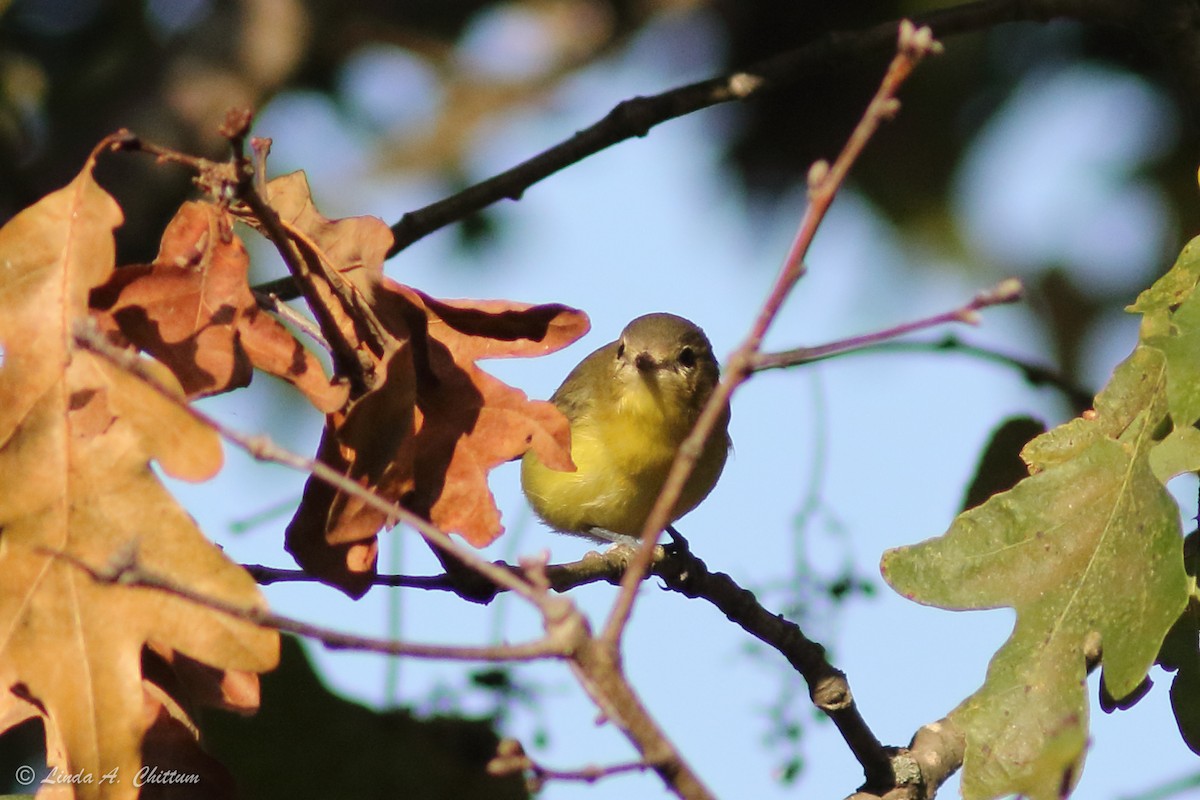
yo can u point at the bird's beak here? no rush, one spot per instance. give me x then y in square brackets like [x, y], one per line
[645, 362]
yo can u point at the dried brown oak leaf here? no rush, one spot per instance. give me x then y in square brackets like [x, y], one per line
[434, 424]
[77, 436]
[193, 310]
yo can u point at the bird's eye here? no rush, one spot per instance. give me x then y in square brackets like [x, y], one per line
[687, 357]
[621, 350]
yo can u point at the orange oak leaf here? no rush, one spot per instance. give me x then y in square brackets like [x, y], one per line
[469, 422]
[434, 424]
[193, 310]
[77, 437]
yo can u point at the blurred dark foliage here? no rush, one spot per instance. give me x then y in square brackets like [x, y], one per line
[308, 742]
[72, 71]
[907, 171]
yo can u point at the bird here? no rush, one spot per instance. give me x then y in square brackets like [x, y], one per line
[630, 404]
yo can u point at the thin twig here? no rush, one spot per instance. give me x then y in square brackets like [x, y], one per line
[265, 576]
[1007, 291]
[124, 569]
[592, 568]
[306, 266]
[1035, 374]
[236, 180]
[511, 758]
[127, 140]
[597, 667]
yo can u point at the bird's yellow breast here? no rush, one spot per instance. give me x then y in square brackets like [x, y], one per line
[623, 451]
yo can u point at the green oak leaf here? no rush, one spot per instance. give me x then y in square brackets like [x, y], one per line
[1088, 544]
[1157, 304]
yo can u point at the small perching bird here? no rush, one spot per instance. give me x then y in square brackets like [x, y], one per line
[630, 405]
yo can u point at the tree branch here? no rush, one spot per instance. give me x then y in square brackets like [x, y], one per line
[272, 304]
[308, 269]
[1035, 374]
[637, 116]
[598, 669]
[511, 757]
[827, 685]
[935, 753]
[683, 572]
[594, 567]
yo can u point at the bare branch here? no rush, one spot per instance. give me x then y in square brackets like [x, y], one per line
[308, 269]
[594, 567]
[685, 573]
[597, 667]
[1035, 374]
[935, 753]
[828, 688]
[272, 304]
